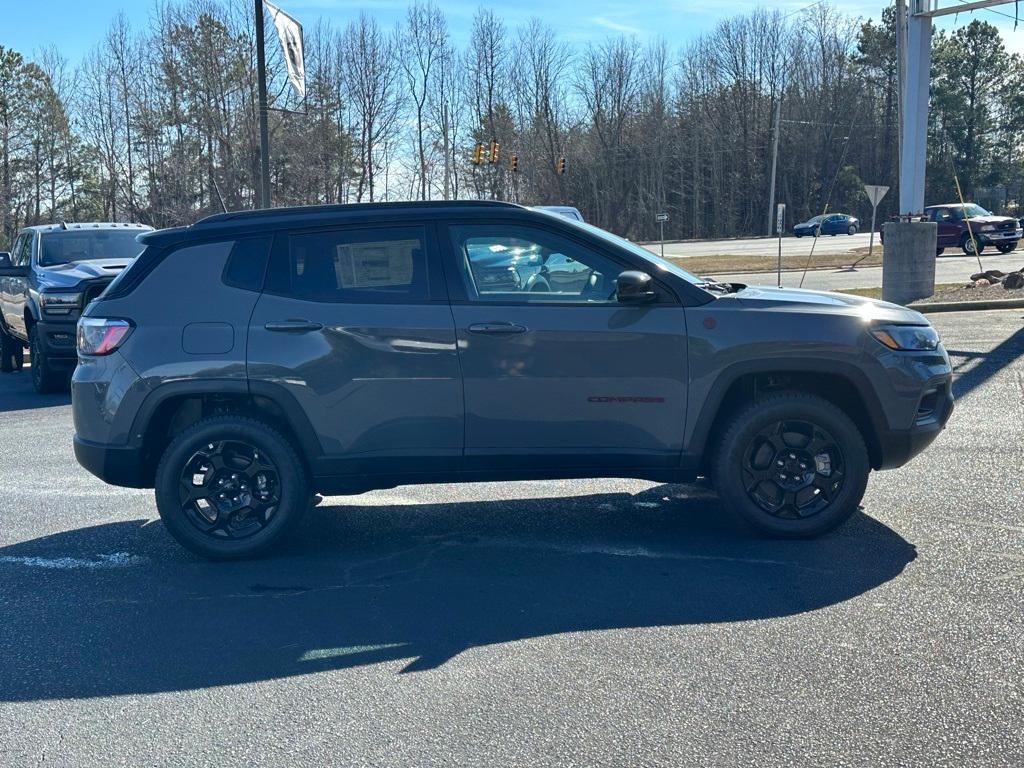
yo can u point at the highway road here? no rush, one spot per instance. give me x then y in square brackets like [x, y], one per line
[753, 246]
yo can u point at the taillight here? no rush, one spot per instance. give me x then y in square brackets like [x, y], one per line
[100, 335]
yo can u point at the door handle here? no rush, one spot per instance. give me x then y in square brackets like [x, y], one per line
[293, 326]
[497, 328]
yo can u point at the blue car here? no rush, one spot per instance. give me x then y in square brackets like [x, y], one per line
[829, 224]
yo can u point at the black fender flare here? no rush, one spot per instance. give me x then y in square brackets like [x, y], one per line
[709, 409]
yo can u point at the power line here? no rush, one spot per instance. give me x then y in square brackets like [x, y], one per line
[1014, 19]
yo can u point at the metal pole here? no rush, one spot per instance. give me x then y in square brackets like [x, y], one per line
[775, 157]
[778, 272]
[871, 242]
[915, 114]
[261, 81]
[662, 225]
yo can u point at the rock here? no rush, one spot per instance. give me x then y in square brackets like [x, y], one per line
[994, 274]
[1013, 280]
[978, 276]
[982, 283]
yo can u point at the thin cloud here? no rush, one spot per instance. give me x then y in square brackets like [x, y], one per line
[615, 26]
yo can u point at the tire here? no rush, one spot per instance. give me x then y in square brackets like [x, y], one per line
[967, 245]
[797, 234]
[12, 354]
[1006, 247]
[852, 230]
[790, 418]
[44, 379]
[939, 251]
[242, 526]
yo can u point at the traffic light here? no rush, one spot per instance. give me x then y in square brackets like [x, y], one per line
[513, 163]
[560, 166]
[494, 152]
[478, 153]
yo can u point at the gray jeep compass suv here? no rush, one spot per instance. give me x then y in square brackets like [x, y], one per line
[244, 363]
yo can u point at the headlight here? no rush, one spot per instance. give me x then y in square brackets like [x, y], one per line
[914, 338]
[59, 303]
[987, 228]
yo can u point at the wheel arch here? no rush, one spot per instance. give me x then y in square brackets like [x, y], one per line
[844, 386]
[171, 408]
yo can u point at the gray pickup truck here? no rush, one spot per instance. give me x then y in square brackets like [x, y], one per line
[51, 273]
[338, 349]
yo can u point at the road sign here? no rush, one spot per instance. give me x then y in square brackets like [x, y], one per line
[780, 217]
[661, 217]
[875, 193]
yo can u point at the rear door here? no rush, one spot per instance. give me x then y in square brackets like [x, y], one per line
[354, 327]
[14, 290]
[564, 377]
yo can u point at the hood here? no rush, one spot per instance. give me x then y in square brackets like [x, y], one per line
[74, 272]
[827, 303]
[993, 219]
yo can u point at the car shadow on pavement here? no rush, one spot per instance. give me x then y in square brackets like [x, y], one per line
[973, 369]
[17, 394]
[119, 608]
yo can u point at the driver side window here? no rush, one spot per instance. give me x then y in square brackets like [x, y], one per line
[526, 264]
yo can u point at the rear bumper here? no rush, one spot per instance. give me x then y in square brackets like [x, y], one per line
[117, 465]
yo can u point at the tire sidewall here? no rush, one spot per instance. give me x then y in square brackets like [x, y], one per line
[295, 493]
[728, 473]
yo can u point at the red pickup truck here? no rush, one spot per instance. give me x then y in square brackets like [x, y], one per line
[1003, 232]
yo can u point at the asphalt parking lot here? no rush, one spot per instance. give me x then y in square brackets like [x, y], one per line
[529, 624]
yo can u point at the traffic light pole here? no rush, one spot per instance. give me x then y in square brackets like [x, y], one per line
[261, 83]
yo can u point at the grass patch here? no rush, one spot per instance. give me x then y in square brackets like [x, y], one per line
[726, 263]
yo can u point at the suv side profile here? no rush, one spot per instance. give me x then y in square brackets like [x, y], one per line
[339, 349]
[1003, 232]
[52, 272]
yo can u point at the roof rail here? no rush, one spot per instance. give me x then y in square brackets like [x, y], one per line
[307, 210]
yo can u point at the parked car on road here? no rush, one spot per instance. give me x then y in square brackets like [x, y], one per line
[829, 224]
[1003, 232]
[51, 273]
[338, 349]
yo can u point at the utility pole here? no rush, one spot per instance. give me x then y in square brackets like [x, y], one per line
[261, 82]
[775, 155]
[901, 74]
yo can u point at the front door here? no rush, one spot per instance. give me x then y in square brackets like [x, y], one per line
[354, 324]
[556, 371]
[948, 235]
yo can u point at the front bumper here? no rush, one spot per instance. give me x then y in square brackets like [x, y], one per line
[935, 408]
[999, 237]
[57, 338]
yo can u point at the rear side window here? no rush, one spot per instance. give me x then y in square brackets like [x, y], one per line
[352, 265]
[247, 264]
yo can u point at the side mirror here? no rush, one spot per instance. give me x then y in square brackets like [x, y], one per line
[5, 259]
[634, 287]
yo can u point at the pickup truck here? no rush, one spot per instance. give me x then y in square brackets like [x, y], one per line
[51, 273]
[1003, 232]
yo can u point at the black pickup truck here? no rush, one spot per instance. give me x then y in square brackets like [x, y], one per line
[51, 273]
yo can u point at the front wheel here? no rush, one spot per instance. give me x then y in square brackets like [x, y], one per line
[1006, 247]
[971, 245]
[44, 378]
[792, 465]
[231, 487]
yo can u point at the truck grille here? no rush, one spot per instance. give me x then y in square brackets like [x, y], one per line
[1007, 225]
[93, 290]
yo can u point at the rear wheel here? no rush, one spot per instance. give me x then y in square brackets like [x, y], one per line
[792, 465]
[852, 230]
[1006, 247]
[44, 378]
[939, 251]
[231, 487]
[12, 354]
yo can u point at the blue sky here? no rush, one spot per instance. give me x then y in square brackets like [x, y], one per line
[75, 25]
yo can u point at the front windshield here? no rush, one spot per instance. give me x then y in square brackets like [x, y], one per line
[640, 251]
[973, 209]
[70, 245]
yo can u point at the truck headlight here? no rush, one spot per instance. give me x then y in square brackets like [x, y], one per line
[987, 228]
[911, 338]
[59, 303]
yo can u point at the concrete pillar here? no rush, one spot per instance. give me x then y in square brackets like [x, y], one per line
[908, 260]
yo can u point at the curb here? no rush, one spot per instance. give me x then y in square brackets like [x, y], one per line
[967, 306]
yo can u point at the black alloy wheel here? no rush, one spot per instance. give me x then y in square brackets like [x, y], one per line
[792, 469]
[229, 489]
